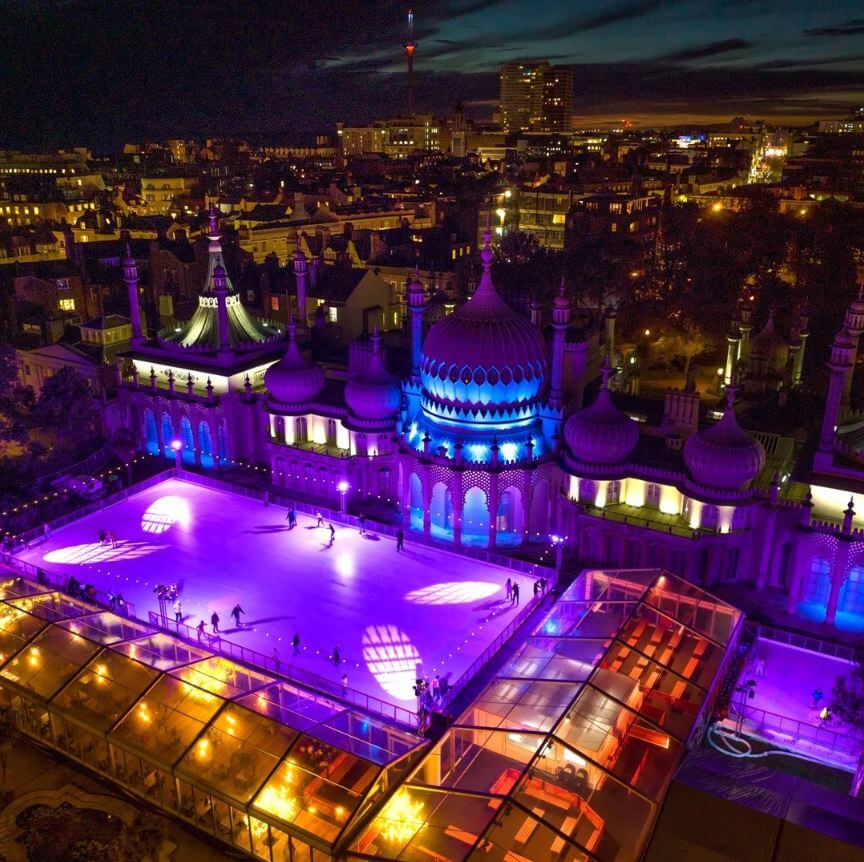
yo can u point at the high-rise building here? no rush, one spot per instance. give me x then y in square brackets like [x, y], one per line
[536, 96]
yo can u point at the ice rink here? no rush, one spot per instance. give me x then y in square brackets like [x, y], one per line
[386, 610]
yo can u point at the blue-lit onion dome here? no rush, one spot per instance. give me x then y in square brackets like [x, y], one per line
[374, 394]
[724, 456]
[294, 379]
[483, 365]
[601, 434]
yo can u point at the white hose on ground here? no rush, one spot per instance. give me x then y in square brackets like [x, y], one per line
[729, 739]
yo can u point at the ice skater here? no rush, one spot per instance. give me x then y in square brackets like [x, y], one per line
[509, 588]
[178, 612]
[200, 630]
[291, 517]
[336, 657]
[515, 593]
[295, 643]
[320, 518]
[235, 612]
[214, 621]
[332, 533]
[344, 684]
[400, 539]
[361, 523]
[103, 536]
[112, 538]
[817, 696]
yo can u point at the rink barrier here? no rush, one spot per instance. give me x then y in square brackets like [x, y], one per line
[290, 672]
[807, 642]
[59, 583]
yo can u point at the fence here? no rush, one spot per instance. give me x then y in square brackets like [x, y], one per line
[275, 664]
[843, 742]
[58, 582]
[813, 644]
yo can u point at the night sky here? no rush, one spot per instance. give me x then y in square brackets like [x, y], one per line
[100, 73]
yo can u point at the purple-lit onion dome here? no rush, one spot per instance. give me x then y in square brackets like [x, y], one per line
[293, 379]
[601, 433]
[485, 361]
[724, 456]
[374, 394]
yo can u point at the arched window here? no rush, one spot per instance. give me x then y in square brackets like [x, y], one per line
[652, 495]
[851, 599]
[613, 492]
[300, 429]
[205, 442]
[222, 442]
[150, 436]
[331, 432]
[187, 439]
[818, 585]
[586, 492]
[168, 434]
[384, 481]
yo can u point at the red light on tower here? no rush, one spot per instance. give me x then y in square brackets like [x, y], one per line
[410, 48]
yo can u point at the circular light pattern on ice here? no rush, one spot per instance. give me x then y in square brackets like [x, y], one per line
[453, 593]
[94, 552]
[392, 659]
[164, 513]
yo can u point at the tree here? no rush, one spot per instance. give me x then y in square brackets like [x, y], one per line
[847, 705]
[124, 445]
[65, 406]
[687, 341]
[8, 738]
[15, 400]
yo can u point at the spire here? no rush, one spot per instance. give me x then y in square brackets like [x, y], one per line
[214, 251]
[130, 276]
[486, 288]
[606, 373]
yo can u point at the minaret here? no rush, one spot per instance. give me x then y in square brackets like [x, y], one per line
[609, 322]
[220, 288]
[840, 366]
[854, 325]
[214, 245]
[416, 301]
[301, 276]
[800, 334]
[745, 327]
[130, 276]
[560, 323]
[733, 347]
[410, 48]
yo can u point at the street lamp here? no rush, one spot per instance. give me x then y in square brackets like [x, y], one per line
[177, 446]
[558, 542]
[343, 487]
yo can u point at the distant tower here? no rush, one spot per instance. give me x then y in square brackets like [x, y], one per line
[410, 48]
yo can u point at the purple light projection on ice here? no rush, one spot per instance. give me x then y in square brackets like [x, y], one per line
[384, 609]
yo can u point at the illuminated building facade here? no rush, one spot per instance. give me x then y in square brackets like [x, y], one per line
[536, 96]
[480, 446]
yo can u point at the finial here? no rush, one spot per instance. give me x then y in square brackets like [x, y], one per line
[606, 372]
[487, 255]
[219, 281]
[128, 252]
[561, 287]
[214, 226]
[292, 329]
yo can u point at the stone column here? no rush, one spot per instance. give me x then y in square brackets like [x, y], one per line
[160, 439]
[458, 505]
[493, 510]
[196, 441]
[838, 577]
[427, 506]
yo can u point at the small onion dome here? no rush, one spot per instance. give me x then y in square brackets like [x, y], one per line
[724, 456]
[375, 393]
[293, 379]
[769, 346]
[601, 433]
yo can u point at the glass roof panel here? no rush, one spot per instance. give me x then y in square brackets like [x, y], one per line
[518, 835]
[530, 705]
[316, 788]
[590, 584]
[105, 690]
[478, 760]
[617, 739]
[585, 619]
[583, 803]
[49, 662]
[165, 722]
[694, 608]
[291, 706]
[420, 824]
[668, 699]
[106, 628]
[223, 677]
[366, 737]
[555, 658]
[236, 752]
[52, 606]
[162, 651]
[17, 628]
[12, 586]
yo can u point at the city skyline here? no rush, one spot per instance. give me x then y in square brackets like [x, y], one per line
[111, 74]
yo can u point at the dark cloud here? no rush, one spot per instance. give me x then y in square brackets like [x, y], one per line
[712, 49]
[627, 12]
[850, 28]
